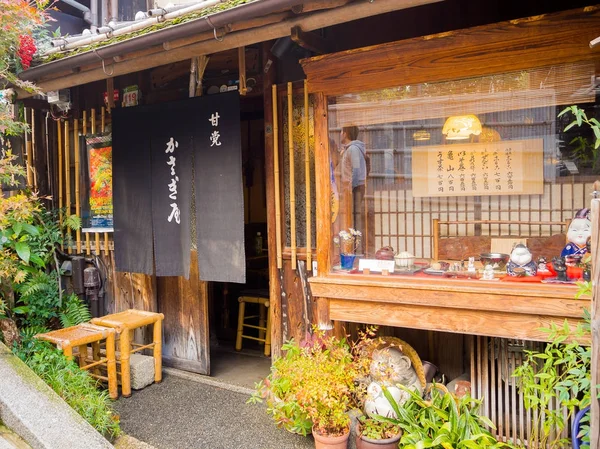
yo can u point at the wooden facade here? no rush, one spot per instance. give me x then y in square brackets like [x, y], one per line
[450, 322]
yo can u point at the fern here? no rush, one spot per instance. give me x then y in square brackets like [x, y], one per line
[37, 283]
[74, 312]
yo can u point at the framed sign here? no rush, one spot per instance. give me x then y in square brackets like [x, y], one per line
[512, 167]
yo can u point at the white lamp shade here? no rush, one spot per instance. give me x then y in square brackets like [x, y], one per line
[460, 127]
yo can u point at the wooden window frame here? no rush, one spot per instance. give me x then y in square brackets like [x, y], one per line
[511, 310]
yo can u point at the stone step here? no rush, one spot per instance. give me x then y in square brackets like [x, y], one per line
[10, 440]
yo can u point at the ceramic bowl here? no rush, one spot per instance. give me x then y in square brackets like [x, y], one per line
[498, 261]
[404, 259]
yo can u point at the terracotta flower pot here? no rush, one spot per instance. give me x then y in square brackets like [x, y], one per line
[363, 442]
[327, 442]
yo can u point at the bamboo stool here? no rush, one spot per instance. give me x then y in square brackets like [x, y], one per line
[80, 336]
[264, 332]
[125, 324]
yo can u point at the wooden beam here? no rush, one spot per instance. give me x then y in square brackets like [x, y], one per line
[310, 22]
[595, 318]
[531, 42]
[311, 41]
[270, 184]
[322, 185]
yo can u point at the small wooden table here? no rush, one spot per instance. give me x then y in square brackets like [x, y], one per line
[80, 336]
[125, 324]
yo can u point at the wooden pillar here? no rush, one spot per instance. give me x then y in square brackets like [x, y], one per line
[322, 185]
[595, 317]
[274, 279]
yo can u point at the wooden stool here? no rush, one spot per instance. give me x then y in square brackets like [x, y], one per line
[80, 336]
[125, 323]
[264, 332]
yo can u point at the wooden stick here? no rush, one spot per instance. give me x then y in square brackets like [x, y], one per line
[193, 70]
[276, 180]
[102, 119]
[33, 149]
[29, 155]
[307, 177]
[60, 172]
[84, 129]
[93, 126]
[68, 180]
[77, 174]
[436, 238]
[242, 69]
[292, 177]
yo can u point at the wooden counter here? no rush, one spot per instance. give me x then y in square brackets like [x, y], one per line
[490, 308]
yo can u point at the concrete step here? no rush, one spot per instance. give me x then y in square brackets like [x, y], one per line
[10, 440]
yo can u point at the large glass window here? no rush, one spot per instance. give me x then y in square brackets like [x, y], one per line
[451, 170]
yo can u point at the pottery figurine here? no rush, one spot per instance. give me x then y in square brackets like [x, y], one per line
[521, 262]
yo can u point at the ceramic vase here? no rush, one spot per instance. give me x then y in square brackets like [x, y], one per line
[347, 261]
[327, 442]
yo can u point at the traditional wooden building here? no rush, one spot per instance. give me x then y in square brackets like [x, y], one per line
[397, 71]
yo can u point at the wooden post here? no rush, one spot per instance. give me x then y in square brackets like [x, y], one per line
[276, 174]
[323, 186]
[29, 155]
[242, 69]
[292, 176]
[60, 171]
[193, 70]
[93, 126]
[436, 238]
[595, 317]
[88, 244]
[68, 181]
[307, 177]
[103, 121]
[33, 159]
[77, 174]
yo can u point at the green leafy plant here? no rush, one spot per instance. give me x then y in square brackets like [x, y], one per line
[561, 372]
[582, 149]
[74, 312]
[377, 429]
[442, 422]
[311, 386]
[75, 386]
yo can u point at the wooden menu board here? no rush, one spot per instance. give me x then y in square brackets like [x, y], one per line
[512, 167]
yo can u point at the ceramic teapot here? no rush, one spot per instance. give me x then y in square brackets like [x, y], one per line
[385, 253]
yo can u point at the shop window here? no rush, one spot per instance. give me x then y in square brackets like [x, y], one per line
[465, 153]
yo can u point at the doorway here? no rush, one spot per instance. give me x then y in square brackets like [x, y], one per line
[249, 364]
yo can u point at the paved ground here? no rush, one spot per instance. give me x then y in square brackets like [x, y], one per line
[188, 411]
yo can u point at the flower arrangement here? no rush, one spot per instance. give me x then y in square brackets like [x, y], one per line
[348, 241]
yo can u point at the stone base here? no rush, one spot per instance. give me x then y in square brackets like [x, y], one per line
[142, 371]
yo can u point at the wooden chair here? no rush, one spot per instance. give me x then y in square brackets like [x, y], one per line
[460, 248]
[125, 323]
[260, 297]
[80, 337]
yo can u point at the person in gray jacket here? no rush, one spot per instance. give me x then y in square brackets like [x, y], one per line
[354, 173]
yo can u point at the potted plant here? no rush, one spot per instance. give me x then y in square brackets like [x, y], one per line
[311, 388]
[348, 241]
[374, 433]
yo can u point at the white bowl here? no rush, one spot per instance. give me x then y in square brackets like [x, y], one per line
[404, 260]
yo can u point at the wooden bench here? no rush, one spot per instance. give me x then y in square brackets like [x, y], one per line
[462, 247]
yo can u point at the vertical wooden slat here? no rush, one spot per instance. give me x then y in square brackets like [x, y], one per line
[521, 408]
[29, 154]
[77, 174]
[84, 130]
[93, 129]
[474, 374]
[506, 392]
[436, 238]
[513, 409]
[276, 174]
[323, 186]
[499, 368]
[103, 128]
[595, 321]
[485, 377]
[494, 382]
[33, 149]
[60, 170]
[307, 176]
[292, 174]
[479, 382]
[68, 181]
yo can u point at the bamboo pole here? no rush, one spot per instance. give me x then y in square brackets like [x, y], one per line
[77, 175]
[103, 128]
[33, 149]
[29, 155]
[595, 322]
[60, 172]
[68, 180]
[93, 126]
[88, 244]
[292, 176]
[276, 180]
[307, 177]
